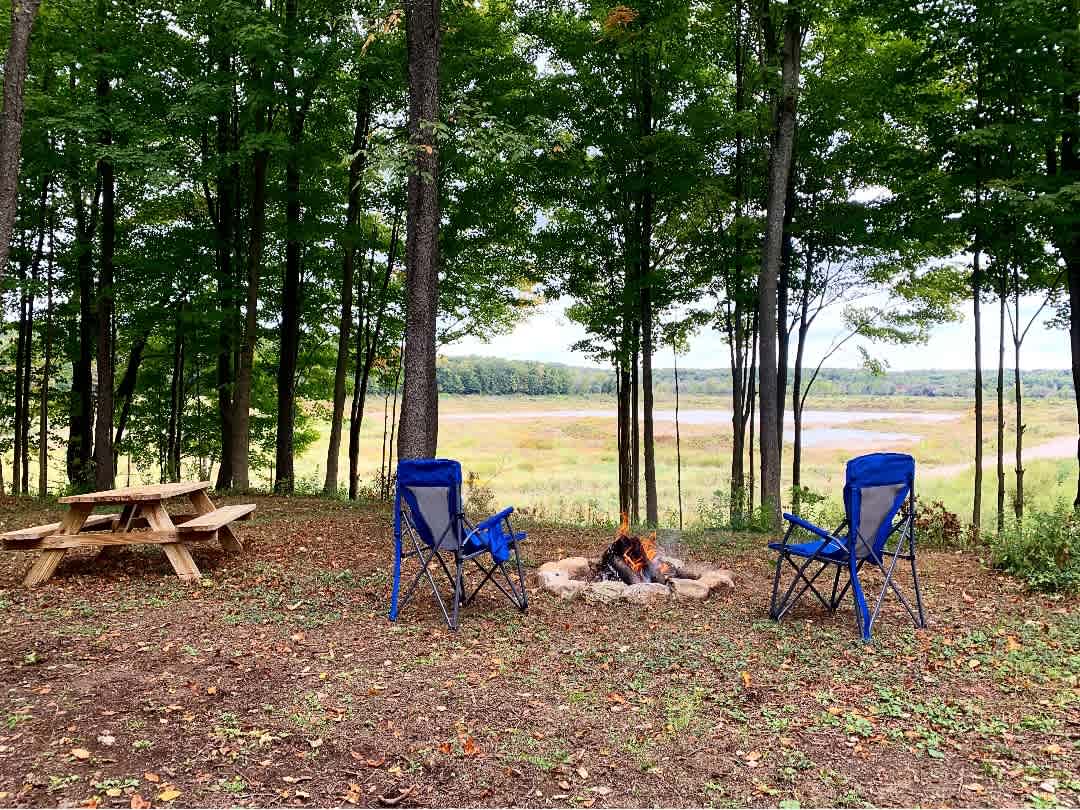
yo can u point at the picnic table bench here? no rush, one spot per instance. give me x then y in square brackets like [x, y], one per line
[141, 520]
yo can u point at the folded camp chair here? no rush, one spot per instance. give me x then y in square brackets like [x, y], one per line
[879, 500]
[427, 511]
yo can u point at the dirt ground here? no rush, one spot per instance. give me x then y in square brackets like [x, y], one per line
[279, 681]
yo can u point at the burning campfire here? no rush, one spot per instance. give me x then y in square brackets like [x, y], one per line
[632, 559]
[633, 569]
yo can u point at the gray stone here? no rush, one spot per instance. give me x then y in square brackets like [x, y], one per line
[689, 588]
[604, 592]
[645, 592]
[573, 567]
[717, 578]
[561, 585]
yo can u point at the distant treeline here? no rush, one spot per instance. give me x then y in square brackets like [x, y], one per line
[497, 377]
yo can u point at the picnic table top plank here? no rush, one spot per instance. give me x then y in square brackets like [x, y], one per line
[148, 492]
[222, 516]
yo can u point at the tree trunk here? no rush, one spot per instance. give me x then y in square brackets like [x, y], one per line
[241, 446]
[352, 215]
[787, 252]
[644, 274]
[290, 311]
[21, 483]
[174, 446]
[20, 362]
[23, 13]
[976, 285]
[419, 432]
[1072, 273]
[1018, 398]
[623, 390]
[46, 371]
[678, 436]
[752, 395]
[1001, 410]
[366, 351]
[635, 424]
[125, 392]
[736, 325]
[224, 222]
[104, 472]
[779, 168]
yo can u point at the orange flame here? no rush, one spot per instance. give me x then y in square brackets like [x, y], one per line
[638, 552]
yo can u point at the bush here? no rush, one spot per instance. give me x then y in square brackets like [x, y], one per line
[1043, 549]
[936, 526]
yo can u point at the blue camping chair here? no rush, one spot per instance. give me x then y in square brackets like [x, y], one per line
[879, 500]
[427, 511]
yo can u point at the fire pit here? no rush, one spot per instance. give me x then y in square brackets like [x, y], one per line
[634, 568]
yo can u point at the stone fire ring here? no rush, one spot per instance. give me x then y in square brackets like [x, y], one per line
[571, 578]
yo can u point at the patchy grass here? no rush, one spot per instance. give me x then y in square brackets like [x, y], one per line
[277, 680]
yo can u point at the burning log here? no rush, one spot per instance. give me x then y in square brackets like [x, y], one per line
[632, 559]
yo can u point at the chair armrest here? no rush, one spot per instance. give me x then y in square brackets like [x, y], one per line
[810, 527]
[494, 520]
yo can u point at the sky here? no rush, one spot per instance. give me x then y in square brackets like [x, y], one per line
[547, 335]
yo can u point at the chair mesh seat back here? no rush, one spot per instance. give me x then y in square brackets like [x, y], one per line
[877, 485]
[432, 490]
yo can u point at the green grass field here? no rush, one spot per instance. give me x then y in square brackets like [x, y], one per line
[564, 468]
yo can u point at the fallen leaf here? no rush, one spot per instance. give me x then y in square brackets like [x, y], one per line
[106, 739]
[139, 803]
[746, 679]
[168, 795]
[80, 753]
[150, 776]
[114, 792]
[470, 748]
[967, 597]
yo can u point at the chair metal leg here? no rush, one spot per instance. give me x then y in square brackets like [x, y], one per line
[918, 591]
[458, 588]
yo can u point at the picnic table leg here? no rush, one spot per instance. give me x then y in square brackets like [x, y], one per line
[177, 553]
[45, 565]
[226, 536]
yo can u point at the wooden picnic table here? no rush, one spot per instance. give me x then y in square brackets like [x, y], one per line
[142, 520]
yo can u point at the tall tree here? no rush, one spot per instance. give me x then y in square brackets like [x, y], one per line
[419, 431]
[780, 158]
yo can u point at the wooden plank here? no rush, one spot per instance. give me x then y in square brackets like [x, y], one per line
[149, 492]
[45, 565]
[182, 562]
[222, 516]
[46, 529]
[108, 539]
[204, 506]
[177, 553]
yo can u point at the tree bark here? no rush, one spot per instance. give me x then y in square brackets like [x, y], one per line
[23, 13]
[779, 167]
[419, 432]
[352, 215]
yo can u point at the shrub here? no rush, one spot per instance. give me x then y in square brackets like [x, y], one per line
[1043, 549]
[938, 527]
[479, 500]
